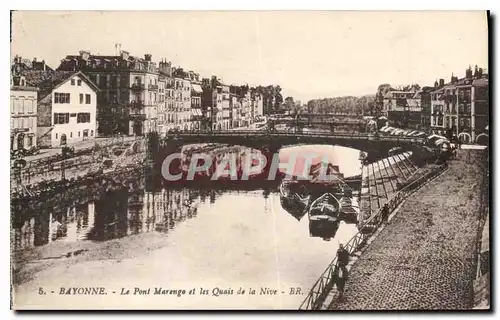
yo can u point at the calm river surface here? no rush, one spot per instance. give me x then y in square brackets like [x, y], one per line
[223, 239]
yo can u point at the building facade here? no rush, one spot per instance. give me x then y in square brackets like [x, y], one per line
[67, 107]
[425, 103]
[227, 111]
[128, 98]
[23, 114]
[461, 107]
[197, 114]
[403, 108]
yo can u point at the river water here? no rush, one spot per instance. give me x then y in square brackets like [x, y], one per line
[211, 238]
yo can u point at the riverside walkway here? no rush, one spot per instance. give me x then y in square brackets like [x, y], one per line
[424, 258]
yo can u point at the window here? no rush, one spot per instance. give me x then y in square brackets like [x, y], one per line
[30, 141]
[83, 117]
[56, 135]
[12, 109]
[81, 98]
[21, 106]
[61, 118]
[61, 97]
[91, 133]
[72, 82]
[31, 106]
[79, 82]
[71, 134]
[78, 133]
[87, 98]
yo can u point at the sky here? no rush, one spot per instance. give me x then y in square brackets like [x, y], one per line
[310, 54]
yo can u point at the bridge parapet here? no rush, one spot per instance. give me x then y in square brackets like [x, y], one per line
[259, 134]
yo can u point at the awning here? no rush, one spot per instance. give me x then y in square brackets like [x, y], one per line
[197, 88]
[196, 112]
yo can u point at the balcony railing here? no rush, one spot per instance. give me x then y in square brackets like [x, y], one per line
[153, 87]
[137, 86]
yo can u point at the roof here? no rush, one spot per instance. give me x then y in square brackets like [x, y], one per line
[440, 90]
[412, 103]
[47, 81]
[480, 82]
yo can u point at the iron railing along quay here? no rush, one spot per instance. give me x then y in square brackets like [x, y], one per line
[322, 287]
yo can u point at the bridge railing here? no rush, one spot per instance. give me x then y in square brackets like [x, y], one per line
[367, 136]
[318, 293]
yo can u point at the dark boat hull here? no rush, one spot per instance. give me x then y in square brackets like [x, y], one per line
[323, 228]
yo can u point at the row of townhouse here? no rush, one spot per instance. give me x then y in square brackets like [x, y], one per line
[460, 107]
[122, 94]
[139, 96]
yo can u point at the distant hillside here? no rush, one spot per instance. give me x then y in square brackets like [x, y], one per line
[348, 104]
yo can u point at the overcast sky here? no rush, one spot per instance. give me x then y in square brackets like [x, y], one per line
[310, 54]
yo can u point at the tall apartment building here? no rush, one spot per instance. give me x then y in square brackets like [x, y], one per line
[162, 104]
[172, 114]
[128, 98]
[182, 98]
[23, 113]
[462, 106]
[227, 112]
[197, 114]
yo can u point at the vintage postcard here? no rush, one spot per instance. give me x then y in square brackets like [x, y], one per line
[250, 160]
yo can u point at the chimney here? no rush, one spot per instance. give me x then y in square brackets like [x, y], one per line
[84, 54]
[124, 54]
[165, 67]
[441, 82]
[436, 84]
[147, 57]
[454, 78]
[468, 73]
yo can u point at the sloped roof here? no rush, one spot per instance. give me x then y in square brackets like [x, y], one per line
[480, 82]
[47, 81]
[412, 103]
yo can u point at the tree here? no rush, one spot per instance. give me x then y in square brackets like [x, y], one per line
[289, 103]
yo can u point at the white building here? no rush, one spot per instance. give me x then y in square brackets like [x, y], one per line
[67, 106]
[23, 114]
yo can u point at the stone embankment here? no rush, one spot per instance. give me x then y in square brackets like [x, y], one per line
[426, 256]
